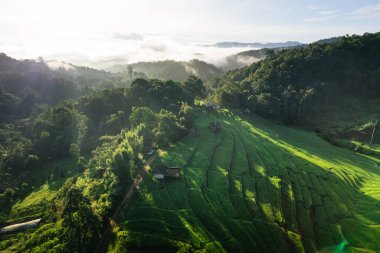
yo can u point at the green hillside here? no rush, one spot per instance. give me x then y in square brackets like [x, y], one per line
[331, 87]
[256, 187]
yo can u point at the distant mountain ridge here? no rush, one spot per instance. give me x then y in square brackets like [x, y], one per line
[261, 53]
[257, 44]
[248, 57]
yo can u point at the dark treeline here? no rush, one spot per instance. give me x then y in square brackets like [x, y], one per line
[293, 85]
[24, 83]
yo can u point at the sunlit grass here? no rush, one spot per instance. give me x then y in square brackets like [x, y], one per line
[255, 176]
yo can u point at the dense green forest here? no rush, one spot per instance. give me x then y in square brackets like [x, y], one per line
[245, 58]
[68, 151]
[319, 86]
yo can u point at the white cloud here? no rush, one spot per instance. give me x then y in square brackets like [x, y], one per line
[103, 52]
[367, 12]
[314, 8]
[328, 12]
[321, 14]
[318, 19]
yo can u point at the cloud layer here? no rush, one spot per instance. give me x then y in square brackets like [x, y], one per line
[105, 52]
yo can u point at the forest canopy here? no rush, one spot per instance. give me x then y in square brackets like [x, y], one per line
[291, 85]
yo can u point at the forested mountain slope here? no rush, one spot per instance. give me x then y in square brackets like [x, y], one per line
[308, 84]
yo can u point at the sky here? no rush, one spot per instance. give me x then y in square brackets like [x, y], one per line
[83, 31]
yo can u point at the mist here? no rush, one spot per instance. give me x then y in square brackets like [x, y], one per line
[106, 50]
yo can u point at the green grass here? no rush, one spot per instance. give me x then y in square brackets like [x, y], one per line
[44, 183]
[258, 187]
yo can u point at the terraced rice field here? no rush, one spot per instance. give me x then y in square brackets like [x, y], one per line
[257, 187]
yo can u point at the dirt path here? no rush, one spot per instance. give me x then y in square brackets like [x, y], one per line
[104, 240]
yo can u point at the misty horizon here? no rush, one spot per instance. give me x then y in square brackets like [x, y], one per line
[123, 49]
[101, 34]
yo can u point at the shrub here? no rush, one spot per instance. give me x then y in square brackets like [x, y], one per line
[32, 161]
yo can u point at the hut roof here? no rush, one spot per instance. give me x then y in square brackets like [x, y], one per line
[159, 176]
[173, 172]
[164, 171]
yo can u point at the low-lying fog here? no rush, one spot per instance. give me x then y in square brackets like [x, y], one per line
[110, 49]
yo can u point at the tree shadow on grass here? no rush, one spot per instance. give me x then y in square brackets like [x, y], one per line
[313, 201]
[334, 211]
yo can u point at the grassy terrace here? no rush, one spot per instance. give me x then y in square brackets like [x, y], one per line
[257, 187]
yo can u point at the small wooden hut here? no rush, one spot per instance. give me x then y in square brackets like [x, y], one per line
[215, 126]
[162, 171]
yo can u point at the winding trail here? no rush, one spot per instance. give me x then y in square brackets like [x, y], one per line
[106, 236]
